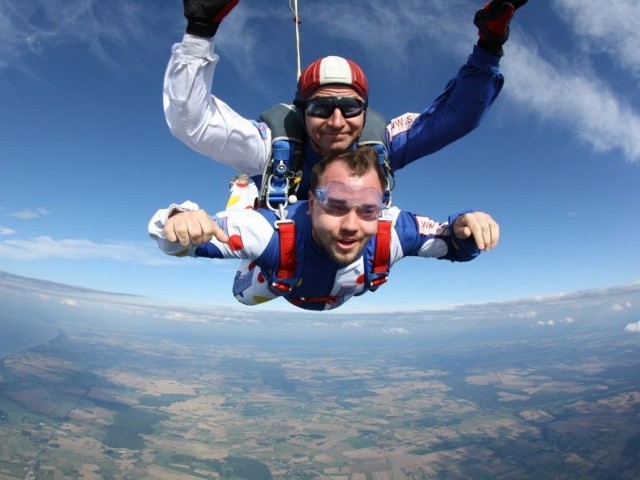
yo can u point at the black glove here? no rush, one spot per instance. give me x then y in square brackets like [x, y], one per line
[204, 16]
[492, 21]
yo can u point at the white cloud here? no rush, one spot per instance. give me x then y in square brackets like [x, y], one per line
[633, 327]
[69, 302]
[319, 324]
[6, 231]
[577, 98]
[618, 307]
[30, 213]
[614, 29]
[32, 28]
[396, 331]
[553, 323]
[81, 249]
[352, 324]
[526, 315]
[563, 85]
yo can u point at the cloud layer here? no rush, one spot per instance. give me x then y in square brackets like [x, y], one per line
[585, 310]
[45, 247]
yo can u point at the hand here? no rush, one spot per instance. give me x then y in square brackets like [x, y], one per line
[493, 21]
[193, 228]
[484, 229]
[204, 16]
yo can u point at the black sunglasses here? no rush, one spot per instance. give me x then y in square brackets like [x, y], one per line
[323, 107]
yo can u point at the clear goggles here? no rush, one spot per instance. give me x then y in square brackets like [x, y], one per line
[338, 199]
[323, 107]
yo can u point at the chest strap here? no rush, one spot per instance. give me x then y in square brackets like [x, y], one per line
[329, 299]
[382, 255]
[285, 275]
[285, 278]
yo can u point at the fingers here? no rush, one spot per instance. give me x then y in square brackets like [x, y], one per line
[211, 229]
[183, 229]
[484, 229]
[192, 228]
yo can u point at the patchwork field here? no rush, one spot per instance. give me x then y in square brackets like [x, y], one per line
[117, 406]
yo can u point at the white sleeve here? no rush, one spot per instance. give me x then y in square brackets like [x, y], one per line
[200, 120]
[156, 228]
[249, 232]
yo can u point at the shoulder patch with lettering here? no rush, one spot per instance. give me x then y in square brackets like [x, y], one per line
[427, 226]
[401, 124]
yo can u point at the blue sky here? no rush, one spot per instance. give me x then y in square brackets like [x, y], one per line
[86, 157]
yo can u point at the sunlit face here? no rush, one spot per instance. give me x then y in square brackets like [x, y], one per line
[336, 133]
[345, 219]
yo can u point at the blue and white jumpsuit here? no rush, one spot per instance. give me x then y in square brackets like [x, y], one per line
[320, 283]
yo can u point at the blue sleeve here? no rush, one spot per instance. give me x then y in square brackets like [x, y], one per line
[208, 250]
[456, 112]
[269, 260]
[421, 236]
[461, 250]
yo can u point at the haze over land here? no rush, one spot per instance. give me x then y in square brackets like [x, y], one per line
[131, 388]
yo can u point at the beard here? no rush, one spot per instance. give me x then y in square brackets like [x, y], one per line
[341, 256]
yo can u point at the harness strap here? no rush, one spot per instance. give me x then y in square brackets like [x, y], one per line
[287, 137]
[382, 255]
[287, 268]
[330, 299]
[285, 278]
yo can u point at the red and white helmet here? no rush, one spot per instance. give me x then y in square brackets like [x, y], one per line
[332, 70]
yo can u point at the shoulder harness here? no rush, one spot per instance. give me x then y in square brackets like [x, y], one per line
[283, 170]
[287, 275]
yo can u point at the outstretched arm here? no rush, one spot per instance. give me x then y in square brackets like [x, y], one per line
[479, 225]
[461, 239]
[186, 230]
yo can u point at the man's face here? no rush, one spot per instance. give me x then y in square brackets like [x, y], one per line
[336, 133]
[346, 218]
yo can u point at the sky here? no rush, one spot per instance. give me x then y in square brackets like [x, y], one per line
[86, 157]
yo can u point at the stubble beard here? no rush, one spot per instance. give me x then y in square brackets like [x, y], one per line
[344, 259]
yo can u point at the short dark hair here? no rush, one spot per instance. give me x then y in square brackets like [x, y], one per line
[358, 161]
